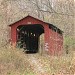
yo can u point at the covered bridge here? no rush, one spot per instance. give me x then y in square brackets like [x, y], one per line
[26, 33]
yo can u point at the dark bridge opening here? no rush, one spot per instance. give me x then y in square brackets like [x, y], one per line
[28, 37]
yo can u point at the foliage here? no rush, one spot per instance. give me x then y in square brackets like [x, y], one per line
[59, 13]
[15, 62]
[68, 40]
[69, 44]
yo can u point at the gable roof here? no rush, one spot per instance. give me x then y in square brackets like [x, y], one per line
[25, 18]
[50, 25]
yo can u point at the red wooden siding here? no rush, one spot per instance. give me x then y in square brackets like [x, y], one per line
[53, 40]
[56, 42]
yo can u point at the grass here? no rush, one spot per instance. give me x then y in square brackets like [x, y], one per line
[15, 62]
[69, 41]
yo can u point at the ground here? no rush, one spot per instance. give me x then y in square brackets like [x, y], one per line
[15, 62]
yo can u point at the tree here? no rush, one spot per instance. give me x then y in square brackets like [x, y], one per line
[58, 12]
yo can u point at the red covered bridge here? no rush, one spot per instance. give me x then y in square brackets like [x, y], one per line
[26, 32]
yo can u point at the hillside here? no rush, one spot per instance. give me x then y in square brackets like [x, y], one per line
[15, 62]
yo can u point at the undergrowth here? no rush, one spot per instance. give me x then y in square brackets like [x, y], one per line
[14, 61]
